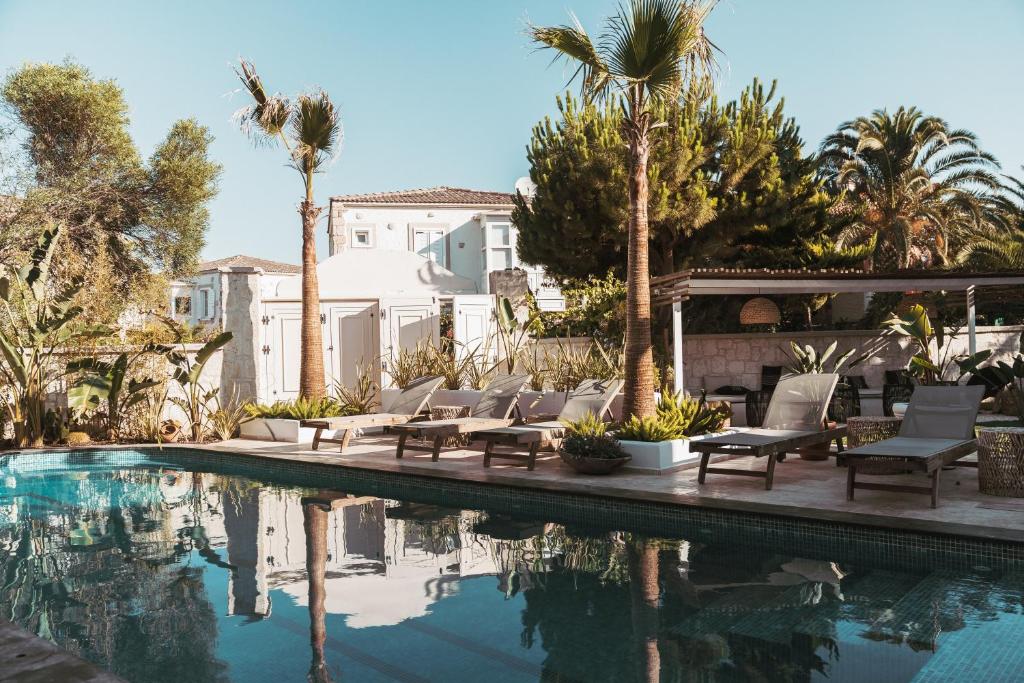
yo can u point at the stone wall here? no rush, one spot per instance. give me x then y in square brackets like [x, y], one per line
[739, 357]
[239, 373]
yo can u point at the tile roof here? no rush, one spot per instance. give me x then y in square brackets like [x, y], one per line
[242, 261]
[441, 195]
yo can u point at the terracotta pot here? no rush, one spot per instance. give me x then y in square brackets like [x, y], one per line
[820, 451]
[169, 431]
[593, 465]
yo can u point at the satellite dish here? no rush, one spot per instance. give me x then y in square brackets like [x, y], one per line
[526, 187]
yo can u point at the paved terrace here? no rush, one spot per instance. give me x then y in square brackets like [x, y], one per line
[814, 490]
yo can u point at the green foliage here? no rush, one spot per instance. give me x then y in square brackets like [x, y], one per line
[1010, 375]
[513, 335]
[915, 185]
[729, 185]
[89, 178]
[408, 365]
[595, 308]
[40, 321]
[187, 372]
[933, 360]
[298, 409]
[806, 360]
[362, 397]
[108, 381]
[659, 427]
[696, 416]
[575, 362]
[588, 438]
[227, 417]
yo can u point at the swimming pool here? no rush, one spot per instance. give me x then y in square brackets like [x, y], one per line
[182, 566]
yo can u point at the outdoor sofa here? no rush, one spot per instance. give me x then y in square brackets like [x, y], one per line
[937, 430]
[795, 419]
[591, 396]
[409, 405]
[492, 411]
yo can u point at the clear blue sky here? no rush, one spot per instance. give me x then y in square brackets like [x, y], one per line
[445, 92]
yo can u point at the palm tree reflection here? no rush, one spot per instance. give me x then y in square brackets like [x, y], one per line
[314, 517]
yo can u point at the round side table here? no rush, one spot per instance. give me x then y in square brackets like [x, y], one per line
[447, 413]
[1001, 461]
[860, 431]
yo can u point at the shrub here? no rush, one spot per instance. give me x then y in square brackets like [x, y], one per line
[588, 438]
[661, 427]
[298, 409]
[361, 398]
[696, 416]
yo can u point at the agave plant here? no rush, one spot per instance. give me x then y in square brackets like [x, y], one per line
[697, 416]
[41, 320]
[362, 397]
[808, 361]
[667, 426]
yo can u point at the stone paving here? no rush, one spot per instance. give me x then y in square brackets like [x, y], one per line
[804, 489]
[26, 658]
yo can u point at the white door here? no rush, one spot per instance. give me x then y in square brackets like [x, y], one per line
[407, 322]
[473, 324]
[351, 340]
[282, 349]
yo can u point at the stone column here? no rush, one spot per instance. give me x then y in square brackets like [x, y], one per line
[240, 372]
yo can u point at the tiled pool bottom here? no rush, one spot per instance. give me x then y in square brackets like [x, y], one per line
[186, 566]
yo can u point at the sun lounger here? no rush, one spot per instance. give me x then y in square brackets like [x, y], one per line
[937, 430]
[493, 410]
[591, 396]
[795, 419]
[406, 407]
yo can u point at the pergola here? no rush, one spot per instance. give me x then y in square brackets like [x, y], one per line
[681, 286]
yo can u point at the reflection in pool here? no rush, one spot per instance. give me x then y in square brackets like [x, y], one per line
[160, 573]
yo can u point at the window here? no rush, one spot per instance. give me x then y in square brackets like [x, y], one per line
[206, 303]
[500, 235]
[362, 238]
[182, 306]
[501, 259]
[432, 243]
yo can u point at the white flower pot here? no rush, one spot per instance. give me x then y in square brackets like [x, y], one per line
[280, 429]
[663, 456]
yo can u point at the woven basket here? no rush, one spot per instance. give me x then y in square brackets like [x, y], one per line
[1001, 461]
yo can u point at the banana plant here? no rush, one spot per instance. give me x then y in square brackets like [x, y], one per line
[512, 334]
[41, 321]
[196, 399]
[105, 381]
[931, 363]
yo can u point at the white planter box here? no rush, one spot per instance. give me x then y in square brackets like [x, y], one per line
[663, 456]
[279, 429]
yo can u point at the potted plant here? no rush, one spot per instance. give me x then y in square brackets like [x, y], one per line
[589, 449]
[806, 360]
[662, 442]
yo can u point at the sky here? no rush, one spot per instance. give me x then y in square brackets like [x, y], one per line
[446, 92]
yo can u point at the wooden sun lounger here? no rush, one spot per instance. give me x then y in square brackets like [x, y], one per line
[409, 405]
[937, 430]
[903, 455]
[591, 396]
[351, 423]
[493, 411]
[794, 420]
[771, 443]
[439, 430]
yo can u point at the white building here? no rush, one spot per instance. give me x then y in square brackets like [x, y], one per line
[199, 299]
[469, 232]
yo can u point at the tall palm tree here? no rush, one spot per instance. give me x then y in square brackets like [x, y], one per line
[918, 184]
[310, 130]
[651, 53]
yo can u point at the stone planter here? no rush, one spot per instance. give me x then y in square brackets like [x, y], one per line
[664, 456]
[280, 429]
[592, 465]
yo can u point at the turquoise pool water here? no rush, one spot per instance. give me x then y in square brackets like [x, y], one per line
[167, 567]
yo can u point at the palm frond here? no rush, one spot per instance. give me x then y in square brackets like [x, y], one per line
[269, 114]
[316, 130]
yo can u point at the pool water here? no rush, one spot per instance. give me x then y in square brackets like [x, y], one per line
[162, 570]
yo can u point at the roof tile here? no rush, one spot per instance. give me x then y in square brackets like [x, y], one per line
[242, 261]
[441, 195]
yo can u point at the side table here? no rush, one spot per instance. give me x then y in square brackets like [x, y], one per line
[1001, 461]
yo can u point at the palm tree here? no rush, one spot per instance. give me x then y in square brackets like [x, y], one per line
[651, 53]
[999, 244]
[310, 130]
[315, 519]
[917, 184]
